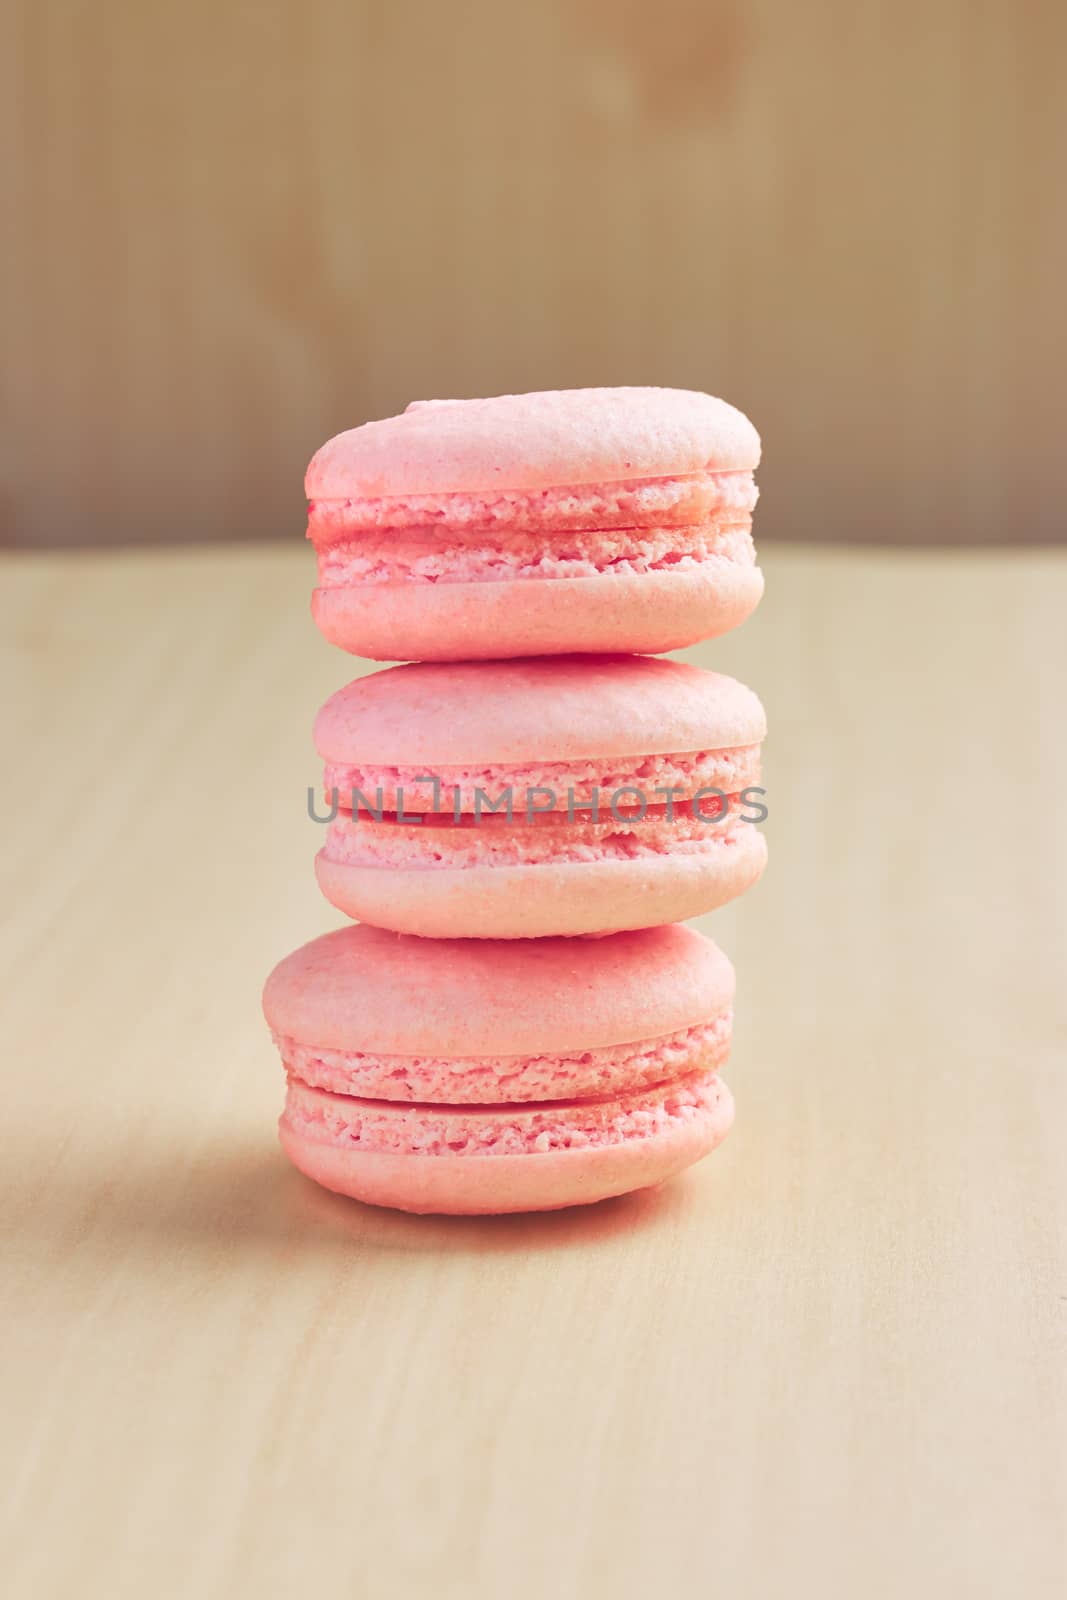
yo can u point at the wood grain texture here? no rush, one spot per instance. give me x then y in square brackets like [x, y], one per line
[237, 228]
[829, 1362]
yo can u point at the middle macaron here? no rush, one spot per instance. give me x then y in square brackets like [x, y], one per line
[540, 796]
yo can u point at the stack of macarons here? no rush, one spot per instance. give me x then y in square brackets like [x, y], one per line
[524, 815]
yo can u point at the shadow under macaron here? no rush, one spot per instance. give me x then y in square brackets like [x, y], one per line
[225, 1200]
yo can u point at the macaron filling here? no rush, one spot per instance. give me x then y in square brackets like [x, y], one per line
[677, 500]
[442, 843]
[426, 558]
[390, 1127]
[538, 787]
[574, 1075]
[666, 525]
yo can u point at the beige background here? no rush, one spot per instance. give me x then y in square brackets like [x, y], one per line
[827, 1364]
[236, 227]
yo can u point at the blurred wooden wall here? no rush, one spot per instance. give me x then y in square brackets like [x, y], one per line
[237, 226]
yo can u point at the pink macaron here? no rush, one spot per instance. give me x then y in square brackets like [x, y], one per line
[463, 1076]
[536, 524]
[554, 795]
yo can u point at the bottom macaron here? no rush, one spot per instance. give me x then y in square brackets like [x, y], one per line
[480, 1076]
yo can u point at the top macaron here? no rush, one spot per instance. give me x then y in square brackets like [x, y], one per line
[536, 524]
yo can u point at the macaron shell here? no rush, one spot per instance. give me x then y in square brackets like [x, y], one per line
[535, 441]
[645, 614]
[481, 1185]
[363, 988]
[527, 902]
[563, 707]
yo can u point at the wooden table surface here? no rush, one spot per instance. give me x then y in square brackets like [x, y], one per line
[828, 1362]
